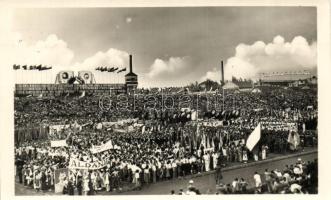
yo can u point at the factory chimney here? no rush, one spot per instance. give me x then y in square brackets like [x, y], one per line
[130, 63]
[222, 71]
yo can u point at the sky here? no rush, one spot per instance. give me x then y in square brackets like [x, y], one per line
[170, 46]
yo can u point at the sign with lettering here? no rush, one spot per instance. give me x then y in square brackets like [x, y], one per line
[103, 147]
[77, 164]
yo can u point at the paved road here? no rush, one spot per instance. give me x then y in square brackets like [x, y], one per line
[206, 183]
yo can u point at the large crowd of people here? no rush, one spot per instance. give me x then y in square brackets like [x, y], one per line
[151, 145]
[298, 178]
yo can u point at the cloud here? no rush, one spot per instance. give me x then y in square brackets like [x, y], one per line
[52, 52]
[212, 75]
[172, 66]
[276, 56]
[110, 58]
[55, 52]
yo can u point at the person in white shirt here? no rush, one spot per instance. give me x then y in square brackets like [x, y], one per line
[146, 174]
[207, 162]
[287, 177]
[258, 182]
[107, 180]
[136, 179]
[174, 169]
[153, 167]
[235, 186]
[296, 188]
[215, 159]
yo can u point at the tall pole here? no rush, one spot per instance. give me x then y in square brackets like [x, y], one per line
[223, 98]
[162, 99]
[222, 71]
[197, 122]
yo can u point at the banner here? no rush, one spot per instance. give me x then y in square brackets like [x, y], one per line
[254, 137]
[57, 128]
[119, 122]
[128, 129]
[77, 164]
[276, 125]
[59, 143]
[59, 177]
[103, 147]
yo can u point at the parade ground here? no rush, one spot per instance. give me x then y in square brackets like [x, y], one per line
[205, 182]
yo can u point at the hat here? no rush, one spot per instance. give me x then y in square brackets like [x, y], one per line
[191, 182]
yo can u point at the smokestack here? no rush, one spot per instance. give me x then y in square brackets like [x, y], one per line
[130, 63]
[222, 71]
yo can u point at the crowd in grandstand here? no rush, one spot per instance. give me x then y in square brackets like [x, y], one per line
[160, 144]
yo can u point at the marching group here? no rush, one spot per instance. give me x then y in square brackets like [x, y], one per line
[165, 145]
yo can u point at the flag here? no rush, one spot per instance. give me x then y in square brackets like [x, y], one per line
[181, 90]
[294, 140]
[82, 95]
[254, 137]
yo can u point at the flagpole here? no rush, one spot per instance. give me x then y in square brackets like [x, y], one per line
[223, 97]
[162, 99]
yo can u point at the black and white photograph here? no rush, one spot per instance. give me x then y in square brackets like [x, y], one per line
[165, 100]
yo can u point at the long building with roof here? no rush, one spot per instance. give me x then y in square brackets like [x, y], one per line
[284, 78]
